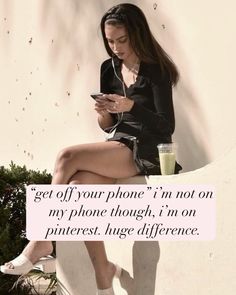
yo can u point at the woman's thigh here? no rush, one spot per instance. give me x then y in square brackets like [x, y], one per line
[110, 159]
[86, 177]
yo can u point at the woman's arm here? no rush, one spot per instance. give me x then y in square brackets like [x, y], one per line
[105, 120]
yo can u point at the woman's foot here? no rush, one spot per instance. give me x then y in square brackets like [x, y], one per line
[35, 250]
[105, 276]
[30, 255]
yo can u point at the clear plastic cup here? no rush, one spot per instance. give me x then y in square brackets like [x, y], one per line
[167, 157]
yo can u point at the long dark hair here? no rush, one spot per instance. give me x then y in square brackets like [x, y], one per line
[141, 38]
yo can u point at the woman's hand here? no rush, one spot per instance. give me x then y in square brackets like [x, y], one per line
[100, 107]
[104, 117]
[111, 103]
[115, 103]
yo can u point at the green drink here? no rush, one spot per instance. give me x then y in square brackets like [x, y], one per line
[167, 158]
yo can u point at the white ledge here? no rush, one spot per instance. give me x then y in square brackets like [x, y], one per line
[140, 259]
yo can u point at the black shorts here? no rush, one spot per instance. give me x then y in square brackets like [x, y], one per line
[145, 155]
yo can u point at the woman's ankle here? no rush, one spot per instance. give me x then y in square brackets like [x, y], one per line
[104, 275]
[35, 250]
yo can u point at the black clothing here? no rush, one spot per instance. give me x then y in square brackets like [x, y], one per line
[151, 120]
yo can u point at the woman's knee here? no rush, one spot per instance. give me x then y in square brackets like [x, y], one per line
[65, 157]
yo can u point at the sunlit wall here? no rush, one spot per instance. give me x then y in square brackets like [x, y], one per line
[50, 53]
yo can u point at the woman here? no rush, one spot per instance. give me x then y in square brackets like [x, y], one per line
[136, 110]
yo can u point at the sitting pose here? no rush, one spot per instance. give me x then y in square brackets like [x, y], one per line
[135, 109]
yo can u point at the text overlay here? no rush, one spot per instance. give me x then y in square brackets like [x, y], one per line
[120, 212]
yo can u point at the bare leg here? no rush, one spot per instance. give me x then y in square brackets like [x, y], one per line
[106, 161]
[110, 159]
[104, 269]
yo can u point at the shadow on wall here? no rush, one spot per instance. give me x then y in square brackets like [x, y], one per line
[73, 27]
[75, 32]
[193, 150]
[78, 274]
[70, 28]
[146, 256]
[62, 23]
[191, 129]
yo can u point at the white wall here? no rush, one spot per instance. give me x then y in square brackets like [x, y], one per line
[50, 53]
[198, 36]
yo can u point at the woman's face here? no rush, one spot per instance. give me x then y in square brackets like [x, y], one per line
[118, 41]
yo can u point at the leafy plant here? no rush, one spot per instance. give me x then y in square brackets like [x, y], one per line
[13, 182]
[30, 281]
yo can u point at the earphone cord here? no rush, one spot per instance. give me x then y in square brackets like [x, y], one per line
[119, 115]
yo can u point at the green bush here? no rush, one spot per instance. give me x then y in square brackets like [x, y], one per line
[13, 181]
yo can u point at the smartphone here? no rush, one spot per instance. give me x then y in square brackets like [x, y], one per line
[96, 95]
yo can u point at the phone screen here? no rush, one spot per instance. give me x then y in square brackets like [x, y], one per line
[96, 95]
